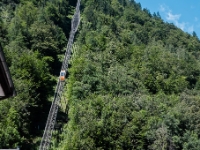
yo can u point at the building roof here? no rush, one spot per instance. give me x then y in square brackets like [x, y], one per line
[6, 84]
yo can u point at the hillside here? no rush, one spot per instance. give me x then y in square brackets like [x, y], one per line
[134, 81]
[33, 35]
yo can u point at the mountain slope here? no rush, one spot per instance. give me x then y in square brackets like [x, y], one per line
[33, 35]
[134, 81]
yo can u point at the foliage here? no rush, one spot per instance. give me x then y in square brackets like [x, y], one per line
[133, 83]
[33, 35]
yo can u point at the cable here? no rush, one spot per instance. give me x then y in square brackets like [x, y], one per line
[46, 139]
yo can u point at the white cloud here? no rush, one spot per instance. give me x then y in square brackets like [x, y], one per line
[180, 25]
[175, 19]
[162, 8]
[172, 17]
[190, 29]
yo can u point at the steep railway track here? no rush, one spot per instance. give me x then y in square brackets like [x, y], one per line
[46, 139]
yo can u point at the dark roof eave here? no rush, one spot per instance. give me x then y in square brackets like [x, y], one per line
[6, 82]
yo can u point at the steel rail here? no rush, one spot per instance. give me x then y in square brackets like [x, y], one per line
[46, 139]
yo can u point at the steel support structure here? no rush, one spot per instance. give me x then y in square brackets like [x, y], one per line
[46, 139]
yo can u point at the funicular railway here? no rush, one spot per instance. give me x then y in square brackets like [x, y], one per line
[46, 139]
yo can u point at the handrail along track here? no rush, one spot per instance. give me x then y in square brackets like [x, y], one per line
[46, 139]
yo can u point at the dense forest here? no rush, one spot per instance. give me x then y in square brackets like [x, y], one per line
[34, 36]
[133, 82]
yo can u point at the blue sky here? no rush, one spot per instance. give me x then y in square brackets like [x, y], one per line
[185, 14]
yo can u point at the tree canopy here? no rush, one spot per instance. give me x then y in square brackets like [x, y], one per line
[34, 35]
[133, 81]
